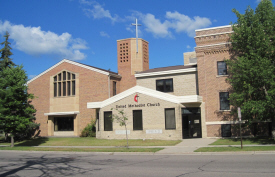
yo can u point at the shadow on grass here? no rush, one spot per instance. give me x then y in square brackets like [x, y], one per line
[33, 142]
[257, 140]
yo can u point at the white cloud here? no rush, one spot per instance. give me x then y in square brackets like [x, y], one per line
[188, 47]
[34, 41]
[98, 12]
[173, 21]
[258, 1]
[183, 23]
[154, 26]
[103, 34]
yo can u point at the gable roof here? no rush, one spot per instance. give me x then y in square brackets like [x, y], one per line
[149, 92]
[92, 68]
[167, 70]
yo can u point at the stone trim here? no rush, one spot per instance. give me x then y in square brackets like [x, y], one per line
[61, 113]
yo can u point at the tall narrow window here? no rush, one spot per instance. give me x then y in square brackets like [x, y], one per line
[59, 88]
[114, 88]
[137, 120]
[64, 75]
[222, 69]
[64, 84]
[224, 101]
[59, 77]
[64, 88]
[108, 123]
[97, 119]
[69, 88]
[55, 89]
[73, 87]
[170, 120]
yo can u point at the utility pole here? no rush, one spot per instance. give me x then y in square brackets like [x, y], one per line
[136, 24]
[240, 120]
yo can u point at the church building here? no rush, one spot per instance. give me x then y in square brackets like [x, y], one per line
[174, 102]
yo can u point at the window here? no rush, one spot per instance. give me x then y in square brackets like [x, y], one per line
[170, 121]
[108, 123]
[64, 84]
[137, 120]
[63, 124]
[224, 102]
[97, 119]
[164, 85]
[226, 130]
[114, 88]
[222, 69]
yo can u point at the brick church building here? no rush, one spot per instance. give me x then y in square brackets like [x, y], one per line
[174, 102]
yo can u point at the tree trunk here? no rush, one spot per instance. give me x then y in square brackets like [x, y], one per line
[127, 137]
[12, 141]
[6, 136]
[273, 128]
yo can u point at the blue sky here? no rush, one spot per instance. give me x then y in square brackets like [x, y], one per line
[43, 32]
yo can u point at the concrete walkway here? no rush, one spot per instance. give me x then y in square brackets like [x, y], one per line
[187, 146]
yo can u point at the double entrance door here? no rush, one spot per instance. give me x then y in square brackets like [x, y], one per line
[191, 123]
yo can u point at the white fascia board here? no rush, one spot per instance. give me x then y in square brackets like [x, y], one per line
[73, 63]
[213, 45]
[190, 99]
[94, 105]
[61, 113]
[166, 72]
[149, 92]
[218, 27]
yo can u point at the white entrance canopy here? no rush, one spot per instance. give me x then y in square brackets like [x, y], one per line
[149, 92]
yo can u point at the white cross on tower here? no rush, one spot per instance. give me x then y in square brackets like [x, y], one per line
[136, 24]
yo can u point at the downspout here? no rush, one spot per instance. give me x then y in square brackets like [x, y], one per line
[109, 84]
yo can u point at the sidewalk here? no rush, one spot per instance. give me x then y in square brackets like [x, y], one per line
[187, 146]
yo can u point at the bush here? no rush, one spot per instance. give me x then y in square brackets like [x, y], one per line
[89, 130]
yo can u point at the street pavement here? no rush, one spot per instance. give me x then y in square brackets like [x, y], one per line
[45, 164]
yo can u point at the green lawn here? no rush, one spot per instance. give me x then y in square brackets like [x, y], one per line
[235, 149]
[91, 142]
[246, 141]
[26, 148]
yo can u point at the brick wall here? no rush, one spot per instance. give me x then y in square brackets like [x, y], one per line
[93, 87]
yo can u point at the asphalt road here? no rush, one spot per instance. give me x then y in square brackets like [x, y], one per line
[93, 164]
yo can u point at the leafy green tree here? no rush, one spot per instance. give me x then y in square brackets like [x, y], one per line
[5, 60]
[252, 65]
[16, 112]
[122, 119]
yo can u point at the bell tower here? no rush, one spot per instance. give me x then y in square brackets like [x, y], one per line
[131, 59]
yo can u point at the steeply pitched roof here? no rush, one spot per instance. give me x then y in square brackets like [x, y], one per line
[99, 70]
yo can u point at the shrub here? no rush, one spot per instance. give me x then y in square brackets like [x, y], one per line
[89, 130]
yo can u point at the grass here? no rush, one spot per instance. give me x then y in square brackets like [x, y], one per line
[246, 141]
[235, 149]
[91, 142]
[26, 148]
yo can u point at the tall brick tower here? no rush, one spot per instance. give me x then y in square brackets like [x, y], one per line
[130, 60]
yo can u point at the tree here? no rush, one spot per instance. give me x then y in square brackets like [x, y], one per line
[16, 112]
[5, 60]
[122, 119]
[252, 65]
